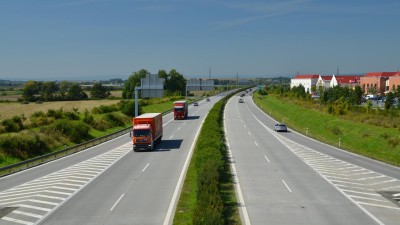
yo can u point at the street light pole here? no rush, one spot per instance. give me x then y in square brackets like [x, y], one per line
[137, 88]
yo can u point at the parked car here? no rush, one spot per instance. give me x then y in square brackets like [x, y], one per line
[280, 127]
[195, 104]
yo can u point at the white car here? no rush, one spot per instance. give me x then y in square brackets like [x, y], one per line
[280, 127]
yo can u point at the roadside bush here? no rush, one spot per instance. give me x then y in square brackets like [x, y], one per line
[56, 114]
[2, 129]
[75, 130]
[41, 121]
[71, 115]
[38, 114]
[127, 107]
[88, 118]
[23, 145]
[114, 119]
[105, 109]
[14, 124]
[101, 124]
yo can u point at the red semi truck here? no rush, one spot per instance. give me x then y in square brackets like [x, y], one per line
[147, 131]
[180, 110]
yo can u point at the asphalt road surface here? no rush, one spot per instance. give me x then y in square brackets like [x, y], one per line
[287, 178]
[107, 184]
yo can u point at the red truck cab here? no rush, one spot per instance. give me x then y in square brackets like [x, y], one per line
[147, 131]
[180, 110]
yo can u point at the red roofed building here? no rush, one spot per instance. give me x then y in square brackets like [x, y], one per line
[306, 80]
[324, 82]
[345, 81]
[376, 82]
[393, 84]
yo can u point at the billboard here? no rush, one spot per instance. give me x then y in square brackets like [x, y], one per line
[200, 85]
[152, 86]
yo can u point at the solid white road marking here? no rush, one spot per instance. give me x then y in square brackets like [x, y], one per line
[181, 177]
[286, 186]
[116, 203]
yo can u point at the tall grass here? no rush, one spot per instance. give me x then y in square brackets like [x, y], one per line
[381, 143]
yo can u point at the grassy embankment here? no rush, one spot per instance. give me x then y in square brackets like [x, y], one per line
[380, 143]
[208, 194]
[101, 125]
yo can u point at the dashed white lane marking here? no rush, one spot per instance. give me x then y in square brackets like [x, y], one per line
[116, 203]
[342, 169]
[287, 186]
[249, 133]
[145, 167]
[266, 158]
[47, 193]
[256, 144]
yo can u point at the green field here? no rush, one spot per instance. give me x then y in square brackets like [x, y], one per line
[375, 142]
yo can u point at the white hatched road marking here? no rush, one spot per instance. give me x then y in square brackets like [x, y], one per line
[340, 167]
[53, 190]
[16, 220]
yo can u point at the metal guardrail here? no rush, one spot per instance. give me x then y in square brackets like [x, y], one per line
[7, 170]
[17, 167]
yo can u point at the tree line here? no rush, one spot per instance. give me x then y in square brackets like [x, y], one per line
[59, 91]
[175, 85]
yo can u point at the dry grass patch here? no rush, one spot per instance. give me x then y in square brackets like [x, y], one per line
[8, 110]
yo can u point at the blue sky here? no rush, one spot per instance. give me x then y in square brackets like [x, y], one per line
[86, 39]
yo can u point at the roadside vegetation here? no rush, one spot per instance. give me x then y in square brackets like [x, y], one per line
[47, 130]
[208, 194]
[337, 117]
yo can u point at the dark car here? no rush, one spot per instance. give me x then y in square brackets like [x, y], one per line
[207, 99]
[280, 127]
[195, 104]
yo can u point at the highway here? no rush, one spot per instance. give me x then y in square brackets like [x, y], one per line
[288, 178]
[107, 184]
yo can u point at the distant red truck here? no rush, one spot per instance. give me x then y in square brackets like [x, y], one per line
[147, 131]
[180, 110]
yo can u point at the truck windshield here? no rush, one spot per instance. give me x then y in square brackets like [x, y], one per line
[141, 133]
[178, 109]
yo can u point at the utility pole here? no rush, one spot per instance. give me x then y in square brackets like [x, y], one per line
[209, 73]
[237, 80]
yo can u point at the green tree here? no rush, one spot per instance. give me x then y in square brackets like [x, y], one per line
[132, 82]
[175, 83]
[64, 87]
[99, 91]
[75, 92]
[389, 100]
[48, 90]
[356, 95]
[31, 88]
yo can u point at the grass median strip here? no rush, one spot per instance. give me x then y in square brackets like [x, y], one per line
[208, 194]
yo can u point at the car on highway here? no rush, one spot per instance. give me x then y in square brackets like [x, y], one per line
[280, 127]
[241, 100]
[195, 104]
[207, 99]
